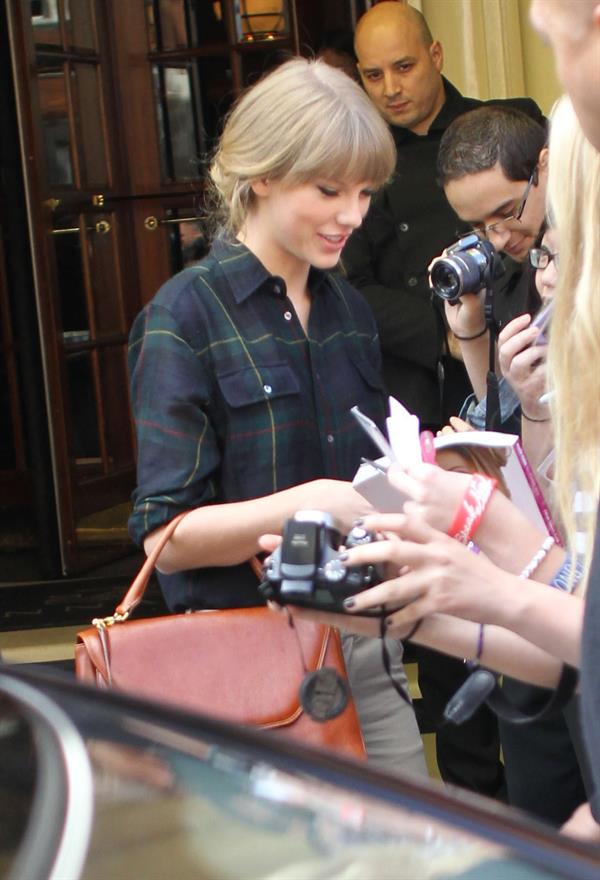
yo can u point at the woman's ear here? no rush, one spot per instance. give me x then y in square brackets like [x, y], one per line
[260, 187]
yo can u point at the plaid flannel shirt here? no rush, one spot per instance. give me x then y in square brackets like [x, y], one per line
[233, 401]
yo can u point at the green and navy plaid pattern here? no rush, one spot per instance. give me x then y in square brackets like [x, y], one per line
[233, 401]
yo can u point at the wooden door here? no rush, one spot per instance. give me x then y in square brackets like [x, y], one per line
[119, 102]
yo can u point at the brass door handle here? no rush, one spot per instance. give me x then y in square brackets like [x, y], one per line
[152, 223]
[102, 227]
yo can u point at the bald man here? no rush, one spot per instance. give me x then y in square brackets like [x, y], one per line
[410, 221]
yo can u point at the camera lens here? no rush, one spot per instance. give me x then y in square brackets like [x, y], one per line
[460, 273]
[446, 279]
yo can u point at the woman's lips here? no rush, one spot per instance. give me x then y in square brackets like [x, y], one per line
[336, 242]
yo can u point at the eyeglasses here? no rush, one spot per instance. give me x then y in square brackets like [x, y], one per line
[541, 257]
[518, 213]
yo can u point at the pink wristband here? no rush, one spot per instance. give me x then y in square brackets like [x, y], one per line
[472, 507]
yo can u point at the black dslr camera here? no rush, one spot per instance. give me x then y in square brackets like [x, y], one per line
[470, 264]
[306, 569]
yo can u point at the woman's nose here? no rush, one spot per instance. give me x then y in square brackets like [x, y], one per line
[352, 213]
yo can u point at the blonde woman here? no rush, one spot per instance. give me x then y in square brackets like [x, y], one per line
[244, 367]
[529, 630]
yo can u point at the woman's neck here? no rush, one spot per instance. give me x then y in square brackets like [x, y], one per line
[284, 264]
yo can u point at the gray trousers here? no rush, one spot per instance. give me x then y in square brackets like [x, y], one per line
[389, 725]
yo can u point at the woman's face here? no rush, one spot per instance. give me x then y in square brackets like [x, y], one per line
[546, 279]
[307, 223]
[451, 460]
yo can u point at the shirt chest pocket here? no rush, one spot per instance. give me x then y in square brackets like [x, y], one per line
[261, 409]
[258, 385]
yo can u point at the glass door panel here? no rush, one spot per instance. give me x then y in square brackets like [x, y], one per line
[182, 24]
[74, 317]
[80, 24]
[54, 110]
[45, 22]
[88, 111]
[178, 109]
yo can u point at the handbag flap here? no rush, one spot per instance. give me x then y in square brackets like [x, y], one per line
[244, 665]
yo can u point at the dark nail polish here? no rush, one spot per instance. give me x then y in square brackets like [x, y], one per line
[350, 602]
[358, 522]
[343, 556]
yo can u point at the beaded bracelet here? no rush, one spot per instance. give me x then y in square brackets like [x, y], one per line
[536, 560]
[472, 507]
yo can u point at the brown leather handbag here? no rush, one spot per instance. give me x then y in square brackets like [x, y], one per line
[244, 665]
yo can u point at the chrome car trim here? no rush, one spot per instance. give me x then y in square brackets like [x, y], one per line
[56, 737]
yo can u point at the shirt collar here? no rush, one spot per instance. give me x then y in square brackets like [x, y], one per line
[451, 108]
[247, 275]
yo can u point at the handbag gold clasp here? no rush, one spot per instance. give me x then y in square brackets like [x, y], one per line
[103, 622]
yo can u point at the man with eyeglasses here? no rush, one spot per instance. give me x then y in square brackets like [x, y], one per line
[493, 166]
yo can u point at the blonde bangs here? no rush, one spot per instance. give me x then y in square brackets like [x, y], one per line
[346, 147]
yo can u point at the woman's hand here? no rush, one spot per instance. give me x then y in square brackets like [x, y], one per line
[362, 626]
[433, 573]
[434, 493]
[336, 497]
[523, 364]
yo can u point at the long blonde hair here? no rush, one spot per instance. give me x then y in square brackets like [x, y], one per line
[574, 351]
[302, 121]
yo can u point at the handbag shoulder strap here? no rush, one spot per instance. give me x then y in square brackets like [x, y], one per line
[135, 593]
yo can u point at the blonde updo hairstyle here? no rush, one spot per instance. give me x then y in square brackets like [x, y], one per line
[574, 350]
[304, 120]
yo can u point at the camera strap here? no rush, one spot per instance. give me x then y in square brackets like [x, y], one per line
[387, 665]
[483, 686]
[492, 400]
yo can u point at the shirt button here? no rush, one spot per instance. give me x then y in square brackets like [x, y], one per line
[403, 227]
[330, 438]
[287, 316]
[413, 281]
[277, 289]
[267, 389]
